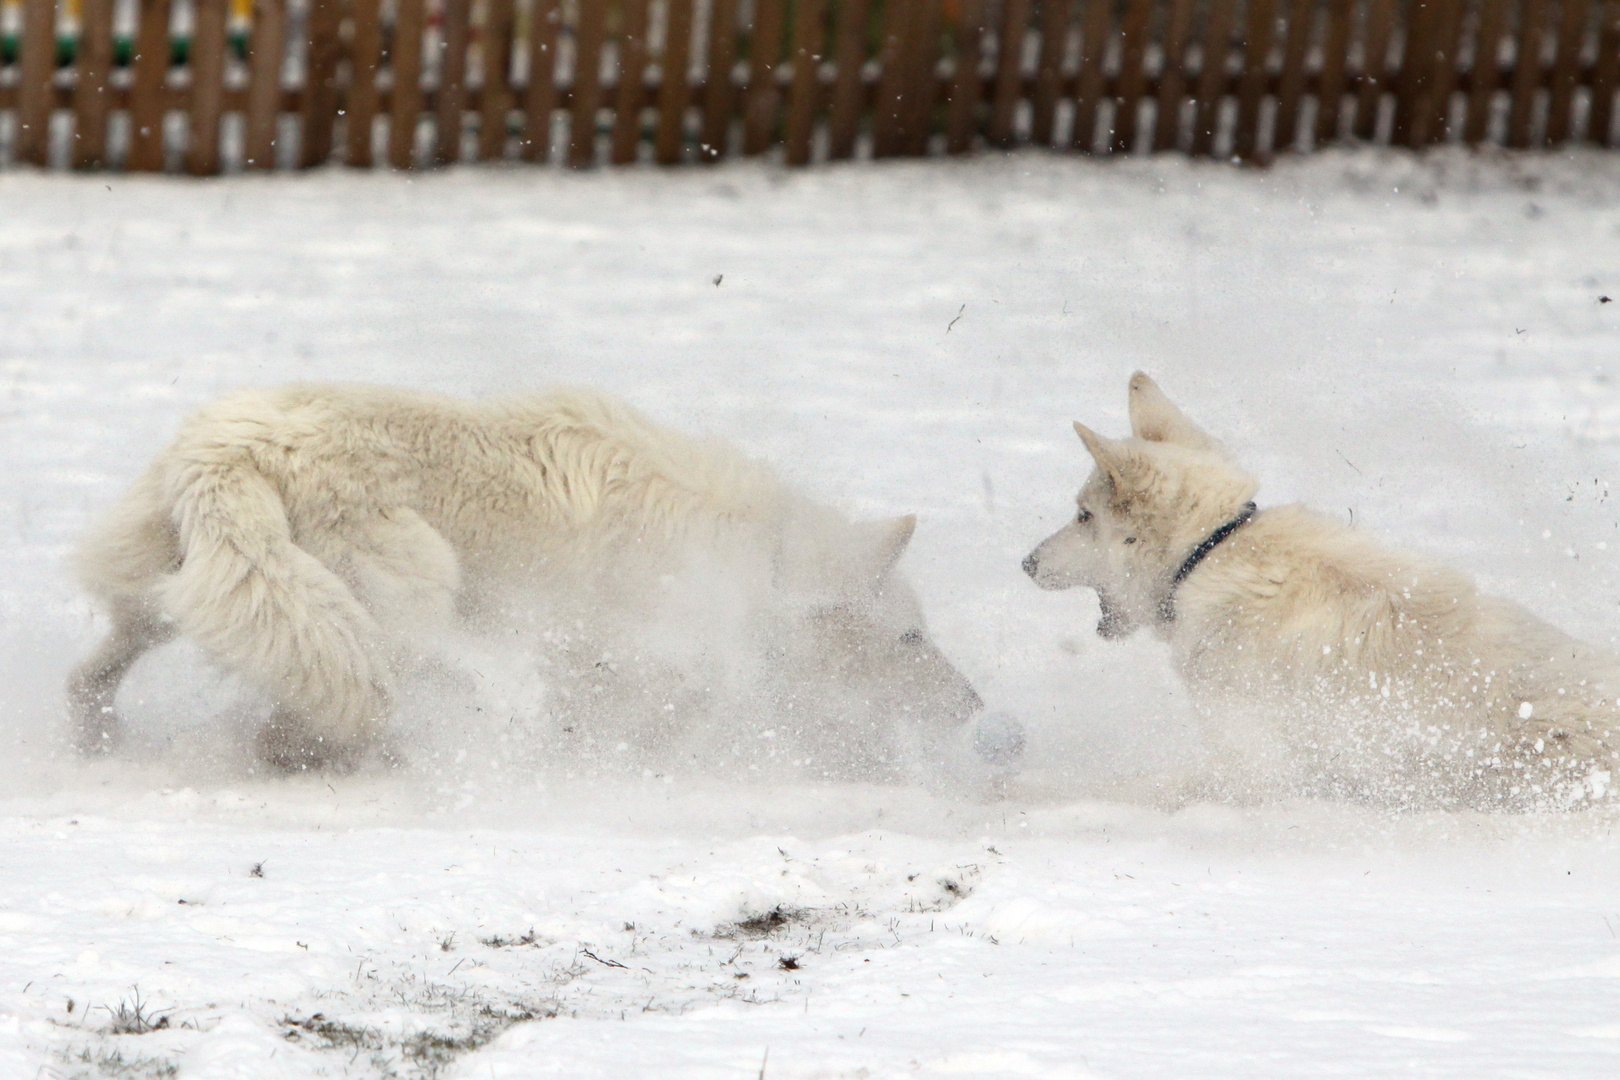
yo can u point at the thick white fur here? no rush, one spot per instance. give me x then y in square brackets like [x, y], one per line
[1323, 660]
[295, 533]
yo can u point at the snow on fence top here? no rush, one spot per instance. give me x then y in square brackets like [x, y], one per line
[210, 84]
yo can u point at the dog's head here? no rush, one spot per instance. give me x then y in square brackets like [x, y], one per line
[1150, 500]
[796, 642]
[852, 661]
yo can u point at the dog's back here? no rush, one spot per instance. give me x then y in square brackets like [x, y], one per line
[1383, 664]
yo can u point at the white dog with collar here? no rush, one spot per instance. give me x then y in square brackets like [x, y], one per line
[1322, 661]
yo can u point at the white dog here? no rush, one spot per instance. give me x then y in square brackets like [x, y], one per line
[303, 536]
[1323, 661]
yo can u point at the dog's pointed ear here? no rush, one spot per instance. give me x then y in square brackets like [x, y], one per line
[1107, 453]
[886, 541]
[1155, 418]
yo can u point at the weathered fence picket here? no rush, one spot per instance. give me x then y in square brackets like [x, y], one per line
[215, 85]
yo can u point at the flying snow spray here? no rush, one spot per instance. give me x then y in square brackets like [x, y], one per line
[998, 739]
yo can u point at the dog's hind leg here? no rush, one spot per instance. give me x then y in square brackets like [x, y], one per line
[402, 569]
[93, 686]
[120, 563]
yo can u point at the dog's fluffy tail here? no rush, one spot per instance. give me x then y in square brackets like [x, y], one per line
[269, 610]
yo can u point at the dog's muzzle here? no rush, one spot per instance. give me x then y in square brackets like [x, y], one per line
[1032, 567]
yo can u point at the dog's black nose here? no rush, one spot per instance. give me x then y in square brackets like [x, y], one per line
[1031, 564]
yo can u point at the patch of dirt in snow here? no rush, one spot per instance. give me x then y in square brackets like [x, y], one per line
[411, 1030]
[408, 1027]
[394, 954]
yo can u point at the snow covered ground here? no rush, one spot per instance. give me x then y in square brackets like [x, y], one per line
[1418, 343]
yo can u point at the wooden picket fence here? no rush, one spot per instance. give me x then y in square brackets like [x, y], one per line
[212, 85]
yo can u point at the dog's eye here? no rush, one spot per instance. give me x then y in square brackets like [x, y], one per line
[1082, 517]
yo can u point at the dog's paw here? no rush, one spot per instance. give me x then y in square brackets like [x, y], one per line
[288, 743]
[100, 734]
